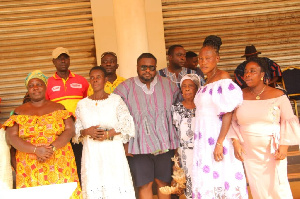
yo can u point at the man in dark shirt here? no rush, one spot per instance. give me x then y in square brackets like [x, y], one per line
[272, 77]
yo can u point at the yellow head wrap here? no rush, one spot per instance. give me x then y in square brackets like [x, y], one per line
[36, 74]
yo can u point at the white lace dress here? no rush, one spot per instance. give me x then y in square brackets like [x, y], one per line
[105, 171]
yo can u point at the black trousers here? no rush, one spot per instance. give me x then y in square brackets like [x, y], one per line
[77, 149]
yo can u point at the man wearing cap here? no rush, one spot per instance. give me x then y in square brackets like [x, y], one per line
[66, 88]
[109, 61]
[274, 69]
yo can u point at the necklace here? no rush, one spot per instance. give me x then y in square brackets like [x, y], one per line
[207, 79]
[101, 98]
[257, 95]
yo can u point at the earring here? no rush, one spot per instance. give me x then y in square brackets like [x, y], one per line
[262, 78]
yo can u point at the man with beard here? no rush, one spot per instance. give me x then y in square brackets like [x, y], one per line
[67, 88]
[109, 61]
[176, 70]
[149, 98]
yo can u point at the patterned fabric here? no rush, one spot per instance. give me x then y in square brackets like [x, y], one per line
[105, 171]
[184, 121]
[109, 87]
[212, 179]
[43, 130]
[67, 92]
[36, 74]
[261, 126]
[274, 71]
[151, 111]
[165, 73]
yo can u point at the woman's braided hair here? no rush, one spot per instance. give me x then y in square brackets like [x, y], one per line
[213, 41]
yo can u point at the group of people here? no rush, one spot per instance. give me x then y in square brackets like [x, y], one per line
[130, 129]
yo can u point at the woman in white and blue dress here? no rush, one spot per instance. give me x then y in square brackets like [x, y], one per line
[184, 121]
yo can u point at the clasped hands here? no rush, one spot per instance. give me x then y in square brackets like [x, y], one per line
[97, 133]
[43, 152]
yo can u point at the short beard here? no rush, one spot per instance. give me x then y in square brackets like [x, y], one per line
[146, 80]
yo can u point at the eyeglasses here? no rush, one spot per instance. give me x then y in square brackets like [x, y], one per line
[108, 53]
[151, 68]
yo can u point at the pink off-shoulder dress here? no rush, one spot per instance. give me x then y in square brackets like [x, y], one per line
[261, 126]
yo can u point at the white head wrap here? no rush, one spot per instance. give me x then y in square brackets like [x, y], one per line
[195, 78]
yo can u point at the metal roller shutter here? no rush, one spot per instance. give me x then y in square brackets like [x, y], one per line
[273, 26]
[29, 31]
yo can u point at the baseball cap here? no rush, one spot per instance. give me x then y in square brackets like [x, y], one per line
[58, 51]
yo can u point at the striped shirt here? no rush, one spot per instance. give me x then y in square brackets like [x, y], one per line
[67, 92]
[151, 111]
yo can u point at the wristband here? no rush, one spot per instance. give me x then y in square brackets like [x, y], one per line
[53, 147]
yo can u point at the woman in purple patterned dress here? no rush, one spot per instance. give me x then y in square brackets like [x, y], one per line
[216, 172]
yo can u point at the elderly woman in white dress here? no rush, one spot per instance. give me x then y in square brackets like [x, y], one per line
[184, 121]
[103, 124]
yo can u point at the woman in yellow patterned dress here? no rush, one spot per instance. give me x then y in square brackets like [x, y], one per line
[41, 131]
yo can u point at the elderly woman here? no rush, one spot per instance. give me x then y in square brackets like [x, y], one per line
[40, 131]
[184, 121]
[262, 128]
[216, 172]
[103, 124]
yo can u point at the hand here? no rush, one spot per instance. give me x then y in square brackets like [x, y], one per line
[126, 150]
[238, 150]
[281, 153]
[218, 152]
[43, 153]
[94, 133]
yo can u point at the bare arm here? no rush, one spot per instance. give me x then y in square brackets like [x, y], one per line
[12, 138]
[66, 135]
[226, 120]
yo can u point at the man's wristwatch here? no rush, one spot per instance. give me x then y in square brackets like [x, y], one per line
[53, 147]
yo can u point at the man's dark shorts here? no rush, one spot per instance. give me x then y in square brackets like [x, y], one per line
[146, 167]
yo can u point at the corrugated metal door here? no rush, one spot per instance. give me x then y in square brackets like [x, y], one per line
[29, 31]
[273, 26]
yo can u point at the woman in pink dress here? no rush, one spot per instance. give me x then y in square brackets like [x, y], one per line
[216, 172]
[262, 128]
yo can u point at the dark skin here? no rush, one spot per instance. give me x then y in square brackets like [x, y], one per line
[110, 63]
[98, 80]
[177, 60]
[146, 77]
[252, 76]
[272, 81]
[191, 63]
[208, 59]
[62, 64]
[39, 106]
[188, 89]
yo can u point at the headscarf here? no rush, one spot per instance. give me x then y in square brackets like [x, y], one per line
[195, 78]
[36, 74]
